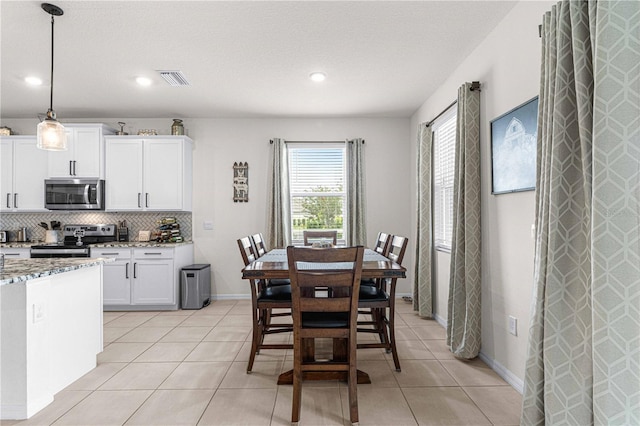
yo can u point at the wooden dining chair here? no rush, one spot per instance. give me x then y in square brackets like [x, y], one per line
[315, 315]
[309, 236]
[259, 250]
[380, 297]
[264, 299]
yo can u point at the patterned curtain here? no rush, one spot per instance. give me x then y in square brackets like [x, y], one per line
[583, 363]
[463, 323]
[279, 216]
[356, 220]
[422, 296]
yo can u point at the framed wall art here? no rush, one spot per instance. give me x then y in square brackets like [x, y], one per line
[513, 149]
[241, 182]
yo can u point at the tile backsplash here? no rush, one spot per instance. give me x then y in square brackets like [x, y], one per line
[136, 221]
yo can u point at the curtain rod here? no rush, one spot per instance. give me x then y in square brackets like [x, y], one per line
[429, 123]
[475, 85]
[271, 141]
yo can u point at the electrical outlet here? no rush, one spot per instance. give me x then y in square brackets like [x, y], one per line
[513, 325]
[207, 225]
[38, 312]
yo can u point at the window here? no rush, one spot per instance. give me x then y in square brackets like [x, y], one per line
[444, 143]
[317, 180]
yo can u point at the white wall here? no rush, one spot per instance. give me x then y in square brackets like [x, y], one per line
[507, 64]
[218, 143]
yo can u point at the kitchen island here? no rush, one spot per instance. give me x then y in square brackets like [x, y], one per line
[51, 329]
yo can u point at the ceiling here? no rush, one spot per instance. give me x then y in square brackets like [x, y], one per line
[242, 58]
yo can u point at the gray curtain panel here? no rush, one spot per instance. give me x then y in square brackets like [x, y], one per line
[463, 322]
[356, 221]
[279, 212]
[583, 364]
[423, 280]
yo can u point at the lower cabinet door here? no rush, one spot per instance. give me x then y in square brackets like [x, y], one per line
[153, 282]
[117, 283]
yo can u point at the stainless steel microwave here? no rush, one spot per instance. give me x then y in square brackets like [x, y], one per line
[74, 194]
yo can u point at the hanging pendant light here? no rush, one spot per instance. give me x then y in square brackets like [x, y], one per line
[51, 135]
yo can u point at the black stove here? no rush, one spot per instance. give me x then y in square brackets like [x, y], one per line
[77, 241]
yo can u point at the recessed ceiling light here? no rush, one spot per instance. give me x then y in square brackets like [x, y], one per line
[317, 76]
[143, 81]
[33, 81]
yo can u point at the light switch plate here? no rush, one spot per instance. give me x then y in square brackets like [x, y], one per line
[207, 225]
[513, 325]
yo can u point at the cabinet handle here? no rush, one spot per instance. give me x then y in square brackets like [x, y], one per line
[152, 254]
[146, 199]
[15, 200]
[126, 270]
[70, 168]
[12, 254]
[139, 194]
[8, 200]
[135, 271]
[108, 254]
[74, 167]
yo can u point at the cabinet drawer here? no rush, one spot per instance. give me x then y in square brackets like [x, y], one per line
[116, 253]
[153, 253]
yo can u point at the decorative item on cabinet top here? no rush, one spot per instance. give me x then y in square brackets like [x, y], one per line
[241, 182]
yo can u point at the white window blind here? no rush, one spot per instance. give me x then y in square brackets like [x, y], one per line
[317, 177]
[444, 143]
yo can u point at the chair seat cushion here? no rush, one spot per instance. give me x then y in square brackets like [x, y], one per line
[280, 293]
[279, 281]
[368, 282]
[325, 319]
[372, 294]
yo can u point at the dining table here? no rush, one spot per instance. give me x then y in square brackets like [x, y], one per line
[274, 265]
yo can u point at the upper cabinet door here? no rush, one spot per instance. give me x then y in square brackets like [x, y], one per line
[6, 174]
[61, 162]
[30, 171]
[163, 166]
[85, 154]
[22, 175]
[123, 174]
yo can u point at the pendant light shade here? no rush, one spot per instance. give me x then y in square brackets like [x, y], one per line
[51, 135]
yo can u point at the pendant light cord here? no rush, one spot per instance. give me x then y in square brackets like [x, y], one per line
[51, 91]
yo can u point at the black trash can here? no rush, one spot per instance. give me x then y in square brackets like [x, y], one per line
[195, 286]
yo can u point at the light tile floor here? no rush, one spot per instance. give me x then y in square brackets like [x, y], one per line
[189, 368]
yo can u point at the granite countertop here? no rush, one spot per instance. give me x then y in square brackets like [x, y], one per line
[123, 244]
[22, 270]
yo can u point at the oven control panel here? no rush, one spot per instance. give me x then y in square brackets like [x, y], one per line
[100, 230]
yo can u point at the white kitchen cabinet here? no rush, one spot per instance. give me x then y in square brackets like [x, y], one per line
[85, 154]
[153, 277]
[16, 253]
[24, 169]
[117, 275]
[148, 174]
[143, 278]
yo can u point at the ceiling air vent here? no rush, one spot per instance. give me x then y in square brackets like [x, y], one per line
[174, 78]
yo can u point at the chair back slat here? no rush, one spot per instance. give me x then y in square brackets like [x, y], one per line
[309, 237]
[247, 250]
[258, 244]
[325, 304]
[397, 248]
[382, 243]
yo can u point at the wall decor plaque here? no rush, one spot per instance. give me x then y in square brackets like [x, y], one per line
[241, 182]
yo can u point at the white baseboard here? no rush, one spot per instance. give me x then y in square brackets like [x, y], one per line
[500, 369]
[515, 382]
[230, 297]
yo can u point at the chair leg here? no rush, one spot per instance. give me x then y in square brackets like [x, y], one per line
[256, 334]
[353, 395]
[297, 394]
[392, 330]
